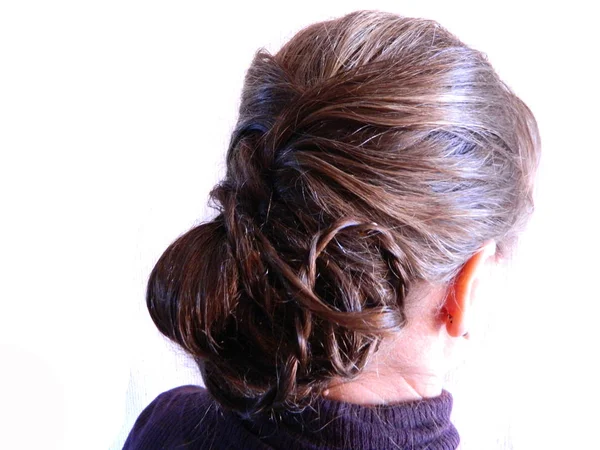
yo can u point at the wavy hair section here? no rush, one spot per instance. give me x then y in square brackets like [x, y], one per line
[372, 152]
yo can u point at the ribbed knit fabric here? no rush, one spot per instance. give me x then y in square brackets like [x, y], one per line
[188, 418]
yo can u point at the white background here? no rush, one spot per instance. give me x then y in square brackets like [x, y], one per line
[114, 119]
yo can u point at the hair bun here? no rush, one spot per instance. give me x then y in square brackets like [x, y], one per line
[224, 293]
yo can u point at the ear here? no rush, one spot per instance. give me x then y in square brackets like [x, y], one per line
[462, 290]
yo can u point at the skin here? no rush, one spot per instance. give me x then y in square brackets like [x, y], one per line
[412, 364]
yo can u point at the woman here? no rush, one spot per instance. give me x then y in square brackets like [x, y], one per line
[379, 167]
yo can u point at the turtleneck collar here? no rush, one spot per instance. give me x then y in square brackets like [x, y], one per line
[329, 424]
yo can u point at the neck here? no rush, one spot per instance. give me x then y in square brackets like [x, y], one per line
[388, 378]
[378, 390]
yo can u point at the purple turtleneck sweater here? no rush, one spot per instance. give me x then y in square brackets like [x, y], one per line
[188, 418]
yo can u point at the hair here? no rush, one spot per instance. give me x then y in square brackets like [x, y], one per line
[372, 153]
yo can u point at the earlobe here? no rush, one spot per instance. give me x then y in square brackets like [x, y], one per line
[462, 291]
[456, 312]
[453, 332]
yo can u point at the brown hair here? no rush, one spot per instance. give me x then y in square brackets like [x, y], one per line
[372, 152]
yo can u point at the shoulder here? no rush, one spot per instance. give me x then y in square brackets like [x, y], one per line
[178, 417]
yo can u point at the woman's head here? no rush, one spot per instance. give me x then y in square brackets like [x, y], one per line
[374, 155]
